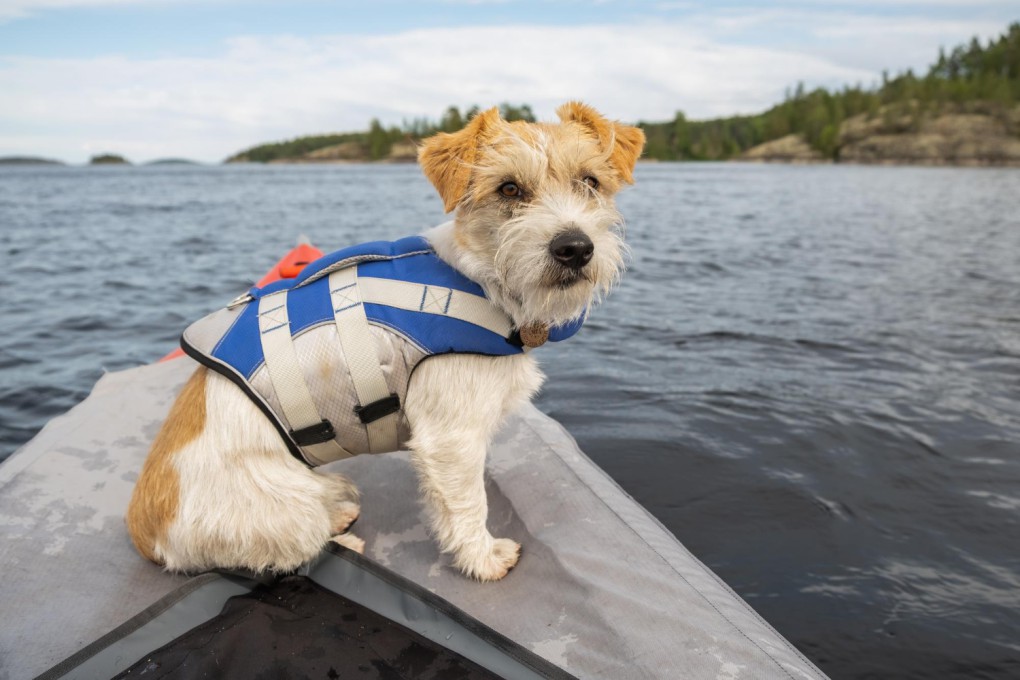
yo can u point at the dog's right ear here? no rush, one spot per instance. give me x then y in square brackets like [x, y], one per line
[625, 141]
[447, 159]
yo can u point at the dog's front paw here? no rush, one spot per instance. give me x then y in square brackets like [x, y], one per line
[350, 541]
[343, 516]
[491, 566]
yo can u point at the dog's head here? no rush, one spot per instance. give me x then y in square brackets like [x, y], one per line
[536, 224]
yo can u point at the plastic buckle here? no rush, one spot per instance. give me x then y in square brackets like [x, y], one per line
[378, 409]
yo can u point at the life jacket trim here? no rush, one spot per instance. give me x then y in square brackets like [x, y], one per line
[225, 335]
[406, 335]
[356, 260]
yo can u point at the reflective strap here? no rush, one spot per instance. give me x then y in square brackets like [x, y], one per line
[362, 358]
[325, 452]
[417, 297]
[288, 380]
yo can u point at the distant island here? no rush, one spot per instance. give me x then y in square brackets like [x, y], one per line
[28, 160]
[103, 159]
[964, 111]
[109, 159]
[173, 161]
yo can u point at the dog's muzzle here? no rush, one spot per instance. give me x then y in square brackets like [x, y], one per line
[572, 249]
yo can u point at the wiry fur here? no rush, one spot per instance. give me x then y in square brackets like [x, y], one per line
[225, 492]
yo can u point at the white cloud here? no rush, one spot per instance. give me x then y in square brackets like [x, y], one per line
[270, 88]
[870, 42]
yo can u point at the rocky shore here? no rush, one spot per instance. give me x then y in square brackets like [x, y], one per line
[956, 138]
[788, 149]
[346, 152]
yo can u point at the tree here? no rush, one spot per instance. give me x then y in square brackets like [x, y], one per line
[510, 112]
[681, 136]
[452, 120]
[378, 141]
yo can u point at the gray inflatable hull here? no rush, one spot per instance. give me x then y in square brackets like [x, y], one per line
[602, 589]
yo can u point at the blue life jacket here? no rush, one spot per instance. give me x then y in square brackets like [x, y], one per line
[320, 346]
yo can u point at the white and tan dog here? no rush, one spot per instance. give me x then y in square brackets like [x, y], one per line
[537, 228]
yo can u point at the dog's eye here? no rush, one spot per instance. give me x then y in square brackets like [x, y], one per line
[509, 189]
[592, 182]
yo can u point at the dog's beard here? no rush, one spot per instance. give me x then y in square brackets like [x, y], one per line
[544, 290]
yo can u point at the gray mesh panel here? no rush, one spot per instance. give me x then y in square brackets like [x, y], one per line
[398, 358]
[329, 380]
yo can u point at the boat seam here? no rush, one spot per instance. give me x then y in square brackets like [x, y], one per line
[132, 625]
[476, 626]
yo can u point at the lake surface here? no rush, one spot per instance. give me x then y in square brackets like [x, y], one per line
[811, 375]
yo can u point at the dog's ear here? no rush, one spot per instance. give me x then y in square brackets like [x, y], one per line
[447, 159]
[627, 141]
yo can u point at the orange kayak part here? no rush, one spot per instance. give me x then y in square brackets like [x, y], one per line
[292, 263]
[289, 266]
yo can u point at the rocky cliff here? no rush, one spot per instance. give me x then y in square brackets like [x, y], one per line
[788, 149]
[989, 137]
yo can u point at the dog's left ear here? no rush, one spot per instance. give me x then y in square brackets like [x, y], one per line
[627, 141]
[447, 159]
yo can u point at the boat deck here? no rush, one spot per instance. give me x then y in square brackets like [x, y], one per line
[602, 589]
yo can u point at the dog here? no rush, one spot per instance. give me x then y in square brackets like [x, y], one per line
[536, 227]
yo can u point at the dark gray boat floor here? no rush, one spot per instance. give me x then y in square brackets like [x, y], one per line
[602, 589]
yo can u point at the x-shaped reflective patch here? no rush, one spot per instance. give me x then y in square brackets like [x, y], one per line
[435, 299]
[274, 318]
[345, 297]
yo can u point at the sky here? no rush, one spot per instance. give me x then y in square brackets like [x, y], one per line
[203, 79]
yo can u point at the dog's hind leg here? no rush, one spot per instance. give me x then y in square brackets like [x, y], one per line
[244, 501]
[454, 405]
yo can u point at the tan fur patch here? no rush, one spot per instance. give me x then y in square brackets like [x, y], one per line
[156, 496]
[447, 159]
[626, 141]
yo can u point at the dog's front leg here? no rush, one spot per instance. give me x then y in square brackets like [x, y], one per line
[452, 474]
[454, 405]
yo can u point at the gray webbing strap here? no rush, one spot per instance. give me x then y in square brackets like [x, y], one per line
[288, 380]
[362, 358]
[418, 297]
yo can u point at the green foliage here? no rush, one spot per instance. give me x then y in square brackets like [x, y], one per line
[451, 120]
[294, 148]
[974, 77]
[378, 141]
[511, 112]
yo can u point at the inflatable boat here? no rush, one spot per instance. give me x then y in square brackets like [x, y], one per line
[602, 589]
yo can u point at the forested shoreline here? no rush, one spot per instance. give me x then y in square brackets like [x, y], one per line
[965, 108]
[971, 79]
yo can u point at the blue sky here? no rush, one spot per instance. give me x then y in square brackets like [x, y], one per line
[205, 78]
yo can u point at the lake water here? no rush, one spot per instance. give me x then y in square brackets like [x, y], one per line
[811, 375]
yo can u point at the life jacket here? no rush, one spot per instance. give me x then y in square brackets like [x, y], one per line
[328, 355]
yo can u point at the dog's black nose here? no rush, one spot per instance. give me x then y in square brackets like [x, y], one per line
[572, 248]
